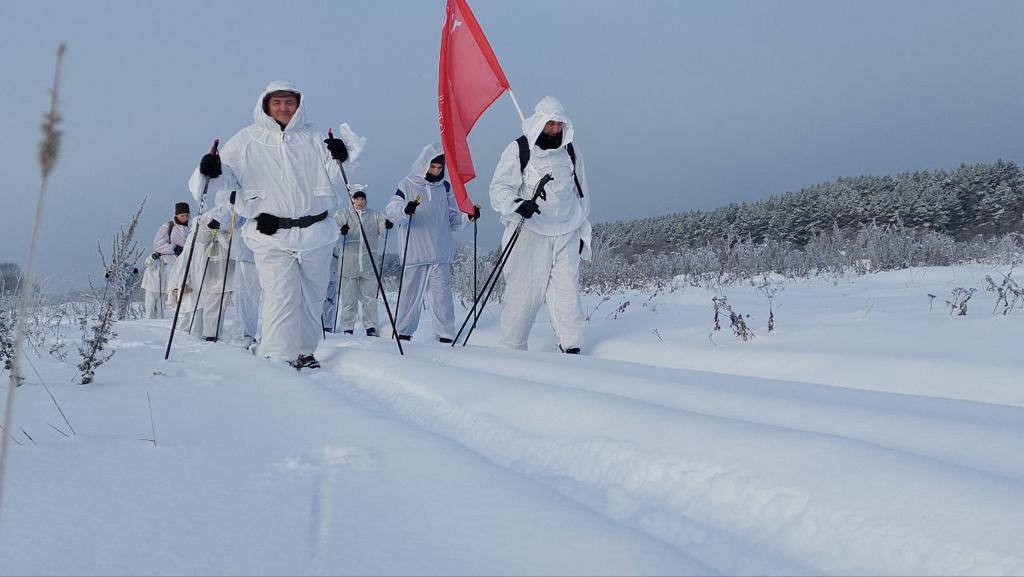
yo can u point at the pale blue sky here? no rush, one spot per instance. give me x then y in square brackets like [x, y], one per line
[677, 105]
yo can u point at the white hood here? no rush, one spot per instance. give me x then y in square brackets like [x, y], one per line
[419, 167]
[264, 121]
[547, 109]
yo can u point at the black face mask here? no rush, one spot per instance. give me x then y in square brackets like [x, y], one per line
[431, 178]
[546, 142]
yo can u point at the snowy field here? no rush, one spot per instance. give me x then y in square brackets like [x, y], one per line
[870, 433]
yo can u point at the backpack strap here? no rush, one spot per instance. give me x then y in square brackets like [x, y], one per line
[447, 186]
[572, 156]
[524, 152]
[170, 227]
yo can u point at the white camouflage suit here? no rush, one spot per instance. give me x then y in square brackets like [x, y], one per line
[544, 264]
[244, 282]
[155, 276]
[431, 246]
[286, 173]
[358, 283]
[212, 252]
[175, 275]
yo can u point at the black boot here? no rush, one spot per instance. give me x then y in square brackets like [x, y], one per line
[444, 340]
[405, 337]
[371, 332]
[211, 339]
[305, 362]
[348, 332]
[570, 350]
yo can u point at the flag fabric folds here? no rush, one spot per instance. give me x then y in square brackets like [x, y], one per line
[470, 79]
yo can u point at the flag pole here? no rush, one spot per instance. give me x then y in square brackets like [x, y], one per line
[516, 104]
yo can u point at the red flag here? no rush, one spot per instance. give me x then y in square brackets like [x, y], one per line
[469, 80]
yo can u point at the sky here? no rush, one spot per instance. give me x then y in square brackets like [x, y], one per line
[677, 105]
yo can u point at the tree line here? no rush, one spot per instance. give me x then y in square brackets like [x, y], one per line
[985, 200]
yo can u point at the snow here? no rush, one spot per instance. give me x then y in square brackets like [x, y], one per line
[868, 434]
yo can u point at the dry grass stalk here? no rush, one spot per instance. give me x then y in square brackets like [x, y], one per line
[49, 149]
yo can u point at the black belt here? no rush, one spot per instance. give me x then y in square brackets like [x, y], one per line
[269, 224]
[301, 222]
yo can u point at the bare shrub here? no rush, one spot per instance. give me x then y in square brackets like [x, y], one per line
[1008, 292]
[736, 321]
[96, 333]
[958, 300]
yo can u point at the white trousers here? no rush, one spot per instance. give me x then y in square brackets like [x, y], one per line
[211, 310]
[330, 306]
[542, 268]
[247, 297]
[294, 285]
[356, 291]
[185, 322]
[155, 304]
[418, 278]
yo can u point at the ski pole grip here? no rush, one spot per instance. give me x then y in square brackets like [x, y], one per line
[216, 143]
[539, 191]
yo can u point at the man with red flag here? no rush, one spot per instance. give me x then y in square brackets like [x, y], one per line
[543, 266]
[424, 209]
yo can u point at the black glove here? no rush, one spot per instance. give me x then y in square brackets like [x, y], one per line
[410, 207]
[214, 224]
[344, 230]
[106, 275]
[267, 223]
[156, 256]
[177, 250]
[582, 244]
[135, 270]
[337, 149]
[527, 208]
[388, 225]
[209, 166]
[231, 199]
[476, 213]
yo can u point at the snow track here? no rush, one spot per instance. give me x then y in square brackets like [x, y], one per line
[975, 435]
[745, 475]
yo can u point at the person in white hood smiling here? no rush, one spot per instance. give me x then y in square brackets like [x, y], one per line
[544, 264]
[288, 181]
[424, 207]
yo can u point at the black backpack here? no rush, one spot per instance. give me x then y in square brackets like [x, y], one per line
[524, 159]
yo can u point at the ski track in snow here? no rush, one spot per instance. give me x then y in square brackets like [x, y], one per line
[738, 515]
[984, 438]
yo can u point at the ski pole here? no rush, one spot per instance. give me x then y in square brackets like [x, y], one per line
[366, 242]
[160, 284]
[224, 284]
[341, 278]
[405, 253]
[382, 253]
[476, 312]
[188, 262]
[479, 295]
[499, 265]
